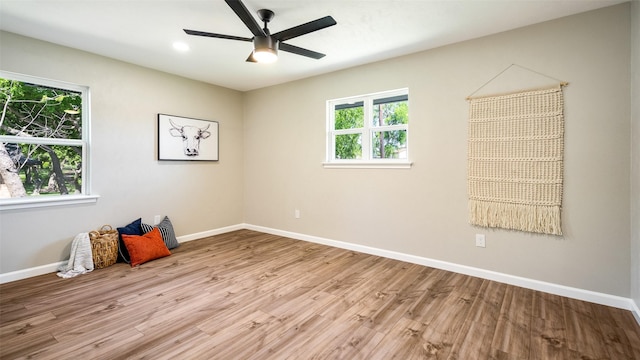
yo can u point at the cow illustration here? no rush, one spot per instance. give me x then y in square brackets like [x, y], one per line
[191, 136]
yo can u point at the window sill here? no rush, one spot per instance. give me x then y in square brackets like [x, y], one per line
[368, 165]
[46, 201]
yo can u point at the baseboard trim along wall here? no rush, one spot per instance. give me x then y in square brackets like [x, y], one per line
[31, 272]
[561, 290]
[575, 293]
[635, 310]
[214, 232]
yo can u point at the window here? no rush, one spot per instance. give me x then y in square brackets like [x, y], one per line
[369, 130]
[44, 133]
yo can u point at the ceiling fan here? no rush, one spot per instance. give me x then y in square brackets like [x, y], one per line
[265, 44]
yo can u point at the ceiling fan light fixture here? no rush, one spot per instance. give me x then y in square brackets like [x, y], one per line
[265, 56]
[265, 49]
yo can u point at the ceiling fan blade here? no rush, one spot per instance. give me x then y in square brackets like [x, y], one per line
[300, 51]
[238, 7]
[251, 58]
[213, 35]
[305, 28]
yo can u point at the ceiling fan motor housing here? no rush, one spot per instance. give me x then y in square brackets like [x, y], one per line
[265, 42]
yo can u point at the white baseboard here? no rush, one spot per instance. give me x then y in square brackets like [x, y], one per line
[635, 311]
[575, 293]
[204, 234]
[561, 290]
[30, 272]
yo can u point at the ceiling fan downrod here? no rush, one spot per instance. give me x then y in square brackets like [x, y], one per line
[266, 15]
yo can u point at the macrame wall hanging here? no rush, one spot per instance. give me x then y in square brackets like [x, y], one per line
[515, 159]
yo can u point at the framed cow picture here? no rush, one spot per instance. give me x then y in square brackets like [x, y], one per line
[182, 138]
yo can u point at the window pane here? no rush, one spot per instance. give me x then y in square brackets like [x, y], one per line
[348, 146]
[390, 144]
[393, 111]
[381, 122]
[349, 116]
[44, 169]
[40, 111]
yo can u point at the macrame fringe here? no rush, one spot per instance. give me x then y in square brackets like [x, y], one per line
[531, 218]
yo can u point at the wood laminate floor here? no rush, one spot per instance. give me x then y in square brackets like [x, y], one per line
[249, 295]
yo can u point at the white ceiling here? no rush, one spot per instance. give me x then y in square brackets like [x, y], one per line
[142, 31]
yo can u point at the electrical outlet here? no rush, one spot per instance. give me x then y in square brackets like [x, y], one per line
[156, 220]
[480, 240]
[296, 213]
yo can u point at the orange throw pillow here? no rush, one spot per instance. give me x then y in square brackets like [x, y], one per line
[147, 247]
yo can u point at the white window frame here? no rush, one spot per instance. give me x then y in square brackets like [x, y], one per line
[367, 132]
[55, 200]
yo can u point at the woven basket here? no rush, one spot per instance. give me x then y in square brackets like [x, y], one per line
[104, 246]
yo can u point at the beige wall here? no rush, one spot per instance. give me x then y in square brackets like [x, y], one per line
[423, 211]
[130, 181]
[635, 152]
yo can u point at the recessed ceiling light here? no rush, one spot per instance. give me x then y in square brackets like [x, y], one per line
[180, 46]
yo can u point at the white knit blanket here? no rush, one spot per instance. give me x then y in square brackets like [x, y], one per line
[80, 259]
